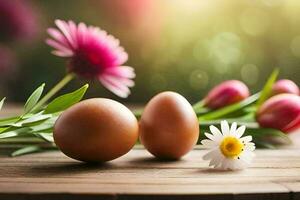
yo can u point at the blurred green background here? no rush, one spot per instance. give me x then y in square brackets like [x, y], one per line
[187, 46]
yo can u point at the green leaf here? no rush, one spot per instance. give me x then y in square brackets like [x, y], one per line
[14, 133]
[48, 137]
[65, 101]
[198, 105]
[267, 89]
[33, 99]
[266, 145]
[26, 150]
[27, 139]
[8, 121]
[2, 102]
[34, 120]
[33, 149]
[229, 109]
[263, 133]
[45, 125]
[204, 124]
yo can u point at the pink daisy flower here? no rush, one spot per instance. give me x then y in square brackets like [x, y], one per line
[92, 54]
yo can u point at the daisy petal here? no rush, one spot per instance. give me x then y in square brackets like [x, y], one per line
[250, 148]
[246, 139]
[208, 143]
[233, 128]
[224, 164]
[211, 154]
[210, 136]
[247, 157]
[216, 132]
[221, 160]
[240, 131]
[214, 162]
[225, 127]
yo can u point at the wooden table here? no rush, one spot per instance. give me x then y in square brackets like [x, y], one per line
[275, 174]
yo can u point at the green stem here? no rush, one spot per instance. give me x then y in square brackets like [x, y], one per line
[54, 90]
[198, 105]
[220, 113]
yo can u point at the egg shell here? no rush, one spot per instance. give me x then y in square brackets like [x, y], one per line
[169, 127]
[96, 130]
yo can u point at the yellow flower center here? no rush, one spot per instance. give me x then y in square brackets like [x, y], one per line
[231, 147]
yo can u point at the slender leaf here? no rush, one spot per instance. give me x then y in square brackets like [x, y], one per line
[36, 119]
[229, 109]
[14, 133]
[33, 149]
[2, 102]
[198, 105]
[48, 137]
[26, 150]
[2, 129]
[267, 89]
[218, 122]
[266, 145]
[44, 127]
[8, 121]
[138, 113]
[33, 99]
[63, 102]
[267, 133]
[27, 139]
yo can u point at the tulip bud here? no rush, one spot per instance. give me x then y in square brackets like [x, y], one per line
[226, 93]
[280, 112]
[285, 86]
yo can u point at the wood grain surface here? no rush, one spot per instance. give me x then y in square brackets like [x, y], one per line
[275, 174]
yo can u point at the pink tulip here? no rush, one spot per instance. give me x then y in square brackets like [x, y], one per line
[280, 112]
[226, 93]
[285, 86]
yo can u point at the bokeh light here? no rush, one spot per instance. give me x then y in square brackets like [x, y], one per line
[186, 46]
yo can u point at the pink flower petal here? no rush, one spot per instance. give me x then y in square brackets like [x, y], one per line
[122, 71]
[59, 46]
[116, 82]
[58, 36]
[81, 32]
[115, 88]
[64, 28]
[124, 81]
[73, 33]
[62, 54]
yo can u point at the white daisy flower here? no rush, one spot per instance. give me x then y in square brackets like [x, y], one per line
[229, 150]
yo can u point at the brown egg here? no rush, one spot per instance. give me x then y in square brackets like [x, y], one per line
[169, 127]
[96, 130]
